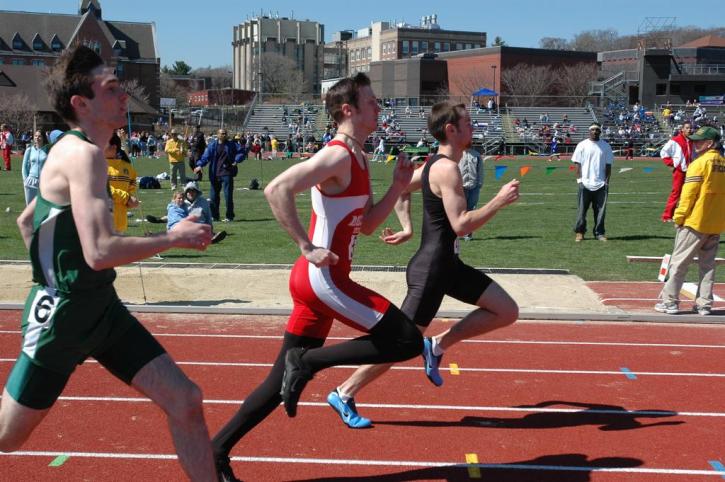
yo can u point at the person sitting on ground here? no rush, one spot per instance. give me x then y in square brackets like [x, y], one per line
[192, 199]
[176, 210]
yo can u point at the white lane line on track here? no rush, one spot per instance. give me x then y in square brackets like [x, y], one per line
[483, 370]
[497, 342]
[465, 408]
[383, 463]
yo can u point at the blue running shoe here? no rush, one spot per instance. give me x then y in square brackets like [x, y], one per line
[431, 363]
[348, 411]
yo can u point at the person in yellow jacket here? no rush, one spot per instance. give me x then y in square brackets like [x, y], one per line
[121, 183]
[176, 149]
[699, 220]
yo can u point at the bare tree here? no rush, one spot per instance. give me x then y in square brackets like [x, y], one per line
[221, 77]
[554, 43]
[468, 81]
[281, 76]
[573, 82]
[134, 88]
[169, 88]
[18, 111]
[527, 83]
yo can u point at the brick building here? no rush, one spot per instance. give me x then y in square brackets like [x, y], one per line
[31, 41]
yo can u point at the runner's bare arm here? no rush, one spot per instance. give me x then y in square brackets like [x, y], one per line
[402, 211]
[25, 222]
[329, 168]
[447, 177]
[378, 212]
[102, 248]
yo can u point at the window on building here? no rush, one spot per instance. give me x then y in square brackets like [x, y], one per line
[370, 52]
[18, 43]
[446, 46]
[459, 46]
[38, 63]
[476, 46]
[55, 44]
[469, 46]
[437, 46]
[414, 44]
[661, 89]
[38, 44]
[18, 62]
[424, 46]
[385, 48]
[406, 47]
[120, 69]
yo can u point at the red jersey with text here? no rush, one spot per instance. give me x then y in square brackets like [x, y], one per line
[323, 294]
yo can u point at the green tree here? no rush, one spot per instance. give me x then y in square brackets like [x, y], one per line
[179, 68]
[498, 42]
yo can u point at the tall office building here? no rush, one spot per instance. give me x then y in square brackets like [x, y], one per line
[299, 40]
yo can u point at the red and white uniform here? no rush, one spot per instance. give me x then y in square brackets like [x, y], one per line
[323, 294]
[676, 153]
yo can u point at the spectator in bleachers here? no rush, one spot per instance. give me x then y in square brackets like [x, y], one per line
[677, 154]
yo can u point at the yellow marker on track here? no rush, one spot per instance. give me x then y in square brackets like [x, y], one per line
[453, 367]
[473, 471]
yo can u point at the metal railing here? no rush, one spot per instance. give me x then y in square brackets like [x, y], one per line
[701, 69]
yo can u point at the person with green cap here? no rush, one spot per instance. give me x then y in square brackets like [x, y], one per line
[699, 220]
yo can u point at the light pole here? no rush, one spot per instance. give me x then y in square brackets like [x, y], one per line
[494, 87]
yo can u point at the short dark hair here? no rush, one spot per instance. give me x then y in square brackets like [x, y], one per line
[443, 113]
[70, 76]
[344, 92]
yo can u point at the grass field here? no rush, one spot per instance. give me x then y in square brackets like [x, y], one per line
[536, 232]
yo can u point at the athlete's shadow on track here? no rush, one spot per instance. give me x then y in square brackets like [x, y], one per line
[547, 468]
[608, 417]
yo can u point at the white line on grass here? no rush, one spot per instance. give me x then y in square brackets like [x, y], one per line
[379, 463]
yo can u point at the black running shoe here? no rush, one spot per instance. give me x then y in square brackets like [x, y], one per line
[153, 219]
[224, 470]
[296, 375]
[218, 237]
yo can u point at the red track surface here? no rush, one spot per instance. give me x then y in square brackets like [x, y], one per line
[553, 366]
[640, 297]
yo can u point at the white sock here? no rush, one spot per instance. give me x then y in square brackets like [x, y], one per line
[343, 396]
[436, 348]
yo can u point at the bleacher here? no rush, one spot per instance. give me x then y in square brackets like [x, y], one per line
[643, 128]
[273, 118]
[579, 120]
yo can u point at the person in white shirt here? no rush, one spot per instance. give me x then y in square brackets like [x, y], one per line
[379, 151]
[593, 158]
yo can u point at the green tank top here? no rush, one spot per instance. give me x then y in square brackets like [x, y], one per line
[56, 254]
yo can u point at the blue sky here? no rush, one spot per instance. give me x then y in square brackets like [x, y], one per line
[202, 35]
